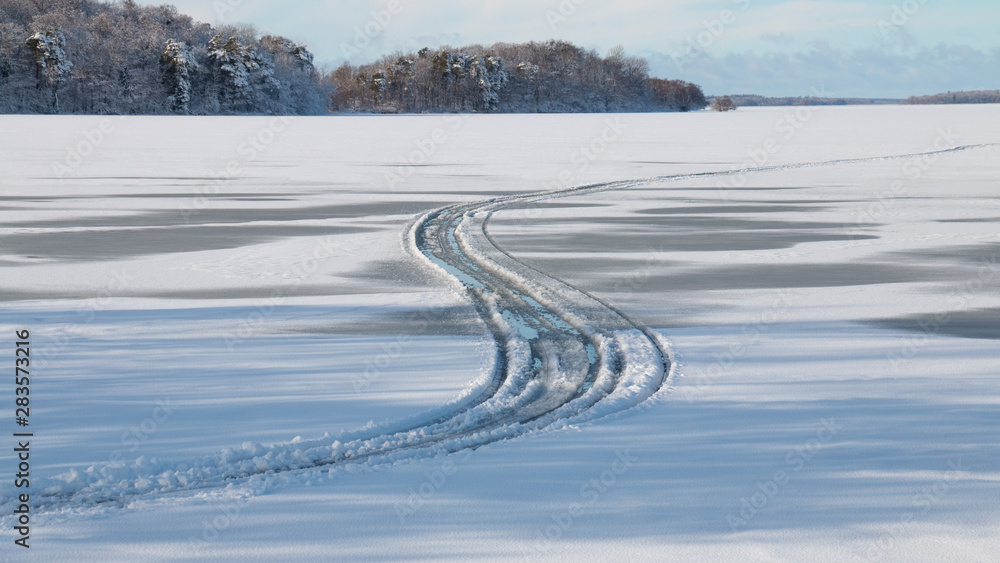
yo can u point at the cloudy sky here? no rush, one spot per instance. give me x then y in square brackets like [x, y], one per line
[869, 48]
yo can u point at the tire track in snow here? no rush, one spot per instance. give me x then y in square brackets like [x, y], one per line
[564, 357]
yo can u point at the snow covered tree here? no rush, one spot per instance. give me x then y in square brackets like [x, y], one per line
[295, 72]
[52, 65]
[400, 78]
[303, 57]
[244, 73]
[178, 65]
[377, 87]
[17, 80]
[234, 62]
[526, 86]
[6, 54]
[724, 103]
[554, 76]
[491, 75]
[122, 63]
[292, 53]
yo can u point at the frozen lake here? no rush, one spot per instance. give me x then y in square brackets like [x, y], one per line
[199, 288]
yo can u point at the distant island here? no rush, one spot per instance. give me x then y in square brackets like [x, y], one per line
[547, 77]
[752, 100]
[972, 97]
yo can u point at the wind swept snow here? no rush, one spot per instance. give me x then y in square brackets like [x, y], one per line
[524, 346]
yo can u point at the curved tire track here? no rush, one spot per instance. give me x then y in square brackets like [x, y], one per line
[564, 356]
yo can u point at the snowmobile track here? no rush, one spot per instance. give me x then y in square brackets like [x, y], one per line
[564, 357]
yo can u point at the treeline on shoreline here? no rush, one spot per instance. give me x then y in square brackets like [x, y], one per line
[967, 97]
[92, 57]
[752, 100]
[970, 97]
[546, 77]
[120, 58]
[89, 57]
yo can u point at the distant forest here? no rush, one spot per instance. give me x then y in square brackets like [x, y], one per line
[90, 57]
[83, 56]
[548, 77]
[750, 100]
[974, 97]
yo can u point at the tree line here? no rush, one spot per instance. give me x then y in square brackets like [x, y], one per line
[971, 97]
[536, 77]
[751, 100]
[91, 57]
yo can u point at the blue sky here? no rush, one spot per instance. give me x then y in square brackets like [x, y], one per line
[884, 48]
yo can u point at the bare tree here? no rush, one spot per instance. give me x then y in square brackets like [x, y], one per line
[724, 103]
[677, 94]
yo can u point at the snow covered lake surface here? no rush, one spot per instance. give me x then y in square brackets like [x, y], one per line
[246, 291]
